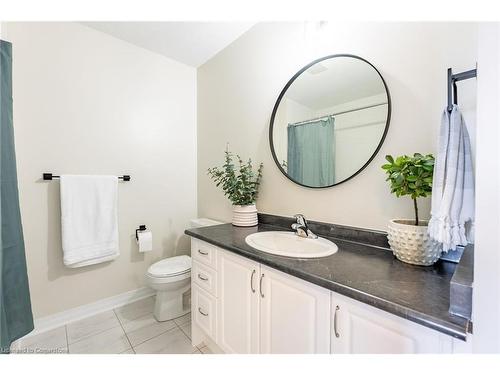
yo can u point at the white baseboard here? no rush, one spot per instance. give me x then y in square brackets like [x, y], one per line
[68, 316]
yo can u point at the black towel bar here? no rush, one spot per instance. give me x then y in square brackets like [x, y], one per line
[50, 176]
[452, 85]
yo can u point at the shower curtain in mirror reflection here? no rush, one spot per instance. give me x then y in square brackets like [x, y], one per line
[311, 154]
[16, 319]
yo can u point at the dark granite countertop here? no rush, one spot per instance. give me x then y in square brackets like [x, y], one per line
[370, 274]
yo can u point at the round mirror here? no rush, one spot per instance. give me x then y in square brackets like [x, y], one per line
[329, 121]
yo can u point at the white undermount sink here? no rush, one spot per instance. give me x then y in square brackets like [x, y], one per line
[290, 245]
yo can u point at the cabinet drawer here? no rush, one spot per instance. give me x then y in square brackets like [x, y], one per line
[204, 253]
[205, 277]
[203, 311]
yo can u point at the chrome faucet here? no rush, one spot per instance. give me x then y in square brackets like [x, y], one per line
[301, 228]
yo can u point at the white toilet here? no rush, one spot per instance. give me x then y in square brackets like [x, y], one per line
[171, 278]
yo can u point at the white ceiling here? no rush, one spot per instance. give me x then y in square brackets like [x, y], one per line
[192, 43]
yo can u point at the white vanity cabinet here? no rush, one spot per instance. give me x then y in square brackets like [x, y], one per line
[358, 328]
[294, 315]
[242, 306]
[261, 310]
[204, 277]
[238, 304]
[258, 309]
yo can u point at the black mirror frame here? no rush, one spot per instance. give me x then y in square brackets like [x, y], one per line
[280, 97]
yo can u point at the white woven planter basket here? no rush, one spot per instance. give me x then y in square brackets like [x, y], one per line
[411, 243]
[245, 216]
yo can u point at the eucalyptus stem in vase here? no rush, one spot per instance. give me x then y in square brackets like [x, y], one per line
[240, 183]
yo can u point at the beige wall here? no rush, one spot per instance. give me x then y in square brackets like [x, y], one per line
[237, 90]
[87, 103]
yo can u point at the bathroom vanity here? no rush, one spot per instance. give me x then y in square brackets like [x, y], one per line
[264, 289]
[358, 300]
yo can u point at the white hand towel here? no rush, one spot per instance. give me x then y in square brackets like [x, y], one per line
[89, 219]
[452, 213]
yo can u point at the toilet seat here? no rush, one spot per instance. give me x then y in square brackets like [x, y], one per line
[171, 267]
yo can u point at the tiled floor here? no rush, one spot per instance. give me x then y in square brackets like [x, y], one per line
[128, 330]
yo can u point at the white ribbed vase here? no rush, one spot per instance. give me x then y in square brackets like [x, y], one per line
[245, 216]
[411, 243]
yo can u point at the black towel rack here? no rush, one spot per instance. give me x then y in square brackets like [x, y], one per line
[452, 85]
[50, 177]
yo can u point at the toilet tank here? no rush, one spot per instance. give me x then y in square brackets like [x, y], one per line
[203, 222]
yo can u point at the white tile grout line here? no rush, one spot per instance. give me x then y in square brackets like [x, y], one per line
[156, 335]
[98, 333]
[123, 329]
[89, 316]
[177, 325]
[195, 346]
[185, 334]
[140, 316]
[92, 335]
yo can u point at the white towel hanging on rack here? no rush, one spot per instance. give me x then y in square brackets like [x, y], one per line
[89, 219]
[452, 214]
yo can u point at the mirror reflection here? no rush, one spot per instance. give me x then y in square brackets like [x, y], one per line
[329, 121]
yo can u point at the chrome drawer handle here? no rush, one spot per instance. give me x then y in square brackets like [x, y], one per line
[201, 312]
[201, 252]
[202, 278]
[260, 286]
[337, 308]
[251, 281]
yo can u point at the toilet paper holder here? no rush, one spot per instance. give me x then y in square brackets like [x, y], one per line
[141, 228]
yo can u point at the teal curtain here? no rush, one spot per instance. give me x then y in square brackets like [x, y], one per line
[16, 319]
[311, 154]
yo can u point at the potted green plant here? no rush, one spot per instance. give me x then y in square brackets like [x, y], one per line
[409, 241]
[241, 185]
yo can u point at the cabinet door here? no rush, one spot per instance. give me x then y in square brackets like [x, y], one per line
[238, 304]
[362, 329]
[295, 315]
